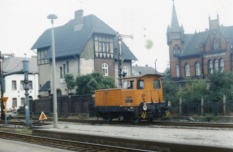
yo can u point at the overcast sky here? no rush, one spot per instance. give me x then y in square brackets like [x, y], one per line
[23, 21]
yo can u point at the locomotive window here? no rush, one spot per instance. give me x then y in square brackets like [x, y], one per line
[124, 85]
[140, 84]
[130, 84]
[156, 84]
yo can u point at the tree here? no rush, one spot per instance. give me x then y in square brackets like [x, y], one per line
[220, 84]
[87, 84]
[194, 90]
[170, 88]
[70, 83]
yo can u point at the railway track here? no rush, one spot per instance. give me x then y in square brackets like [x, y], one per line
[150, 145]
[159, 123]
[66, 144]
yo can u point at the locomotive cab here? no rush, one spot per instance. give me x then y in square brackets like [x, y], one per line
[139, 98]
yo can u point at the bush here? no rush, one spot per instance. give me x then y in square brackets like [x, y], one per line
[87, 84]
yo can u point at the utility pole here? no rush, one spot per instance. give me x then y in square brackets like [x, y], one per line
[2, 90]
[120, 59]
[52, 17]
[26, 88]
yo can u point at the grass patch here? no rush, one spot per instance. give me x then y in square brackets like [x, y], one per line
[24, 131]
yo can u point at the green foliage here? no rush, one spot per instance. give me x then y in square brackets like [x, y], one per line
[194, 90]
[87, 84]
[220, 84]
[211, 89]
[170, 88]
[70, 83]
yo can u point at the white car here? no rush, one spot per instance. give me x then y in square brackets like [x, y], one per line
[11, 114]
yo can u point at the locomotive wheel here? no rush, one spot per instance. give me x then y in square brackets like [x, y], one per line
[136, 121]
[107, 119]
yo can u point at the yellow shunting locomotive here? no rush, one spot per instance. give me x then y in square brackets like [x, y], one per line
[140, 98]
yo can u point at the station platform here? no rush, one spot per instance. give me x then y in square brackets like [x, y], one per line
[159, 135]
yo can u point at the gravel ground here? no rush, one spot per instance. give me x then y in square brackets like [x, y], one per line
[199, 136]
[16, 146]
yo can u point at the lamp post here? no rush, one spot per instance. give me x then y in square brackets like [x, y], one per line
[26, 88]
[52, 17]
[2, 90]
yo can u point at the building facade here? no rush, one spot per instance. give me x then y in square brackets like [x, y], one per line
[83, 45]
[138, 70]
[14, 81]
[200, 53]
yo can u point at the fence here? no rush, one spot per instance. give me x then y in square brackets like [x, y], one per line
[65, 104]
[83, 104]
[202, 107]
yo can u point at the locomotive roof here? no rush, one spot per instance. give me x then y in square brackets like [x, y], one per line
[146, 75]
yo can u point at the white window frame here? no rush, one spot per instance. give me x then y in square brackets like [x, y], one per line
[125, 70]
[105, 69]
[187, 70]
[177, 71]
[14, 85]
[210, 67]
[14, 103]
[197, 69]
[221, 65]
[216, 65]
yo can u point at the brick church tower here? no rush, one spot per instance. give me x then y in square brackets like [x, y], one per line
[199, 54]
[175, 40]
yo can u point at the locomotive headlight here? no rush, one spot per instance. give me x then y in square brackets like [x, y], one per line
[144, 107]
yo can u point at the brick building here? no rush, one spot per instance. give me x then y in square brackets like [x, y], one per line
[83, 45]
[200, 53]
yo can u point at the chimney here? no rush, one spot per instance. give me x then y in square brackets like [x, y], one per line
[78, 20]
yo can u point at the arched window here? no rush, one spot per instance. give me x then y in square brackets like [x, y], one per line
[176, 50]
[197, 69]
[221, 65]
[210, 67]
[105, 69]
[177, 71]
[187, 70]
[216, 44]
[59, 93]
[216, 65]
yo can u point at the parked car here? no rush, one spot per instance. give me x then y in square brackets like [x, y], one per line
[11, 115]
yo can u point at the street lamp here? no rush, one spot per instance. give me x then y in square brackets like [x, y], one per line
[52, 17]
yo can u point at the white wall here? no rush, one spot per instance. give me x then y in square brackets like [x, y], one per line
[73, 69]
[19, 92]
[87, 66]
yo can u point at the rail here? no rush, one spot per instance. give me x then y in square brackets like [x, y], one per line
[66, 144]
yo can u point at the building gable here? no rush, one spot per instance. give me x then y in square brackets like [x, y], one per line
[70, 42]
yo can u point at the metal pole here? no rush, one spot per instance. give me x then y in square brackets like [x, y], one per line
[2, 91]
[120, 61]
[26, 88]
[52, 17]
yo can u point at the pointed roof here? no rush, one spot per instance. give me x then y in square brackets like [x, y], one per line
[14, 64]
[70, 43]
[174, 21]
